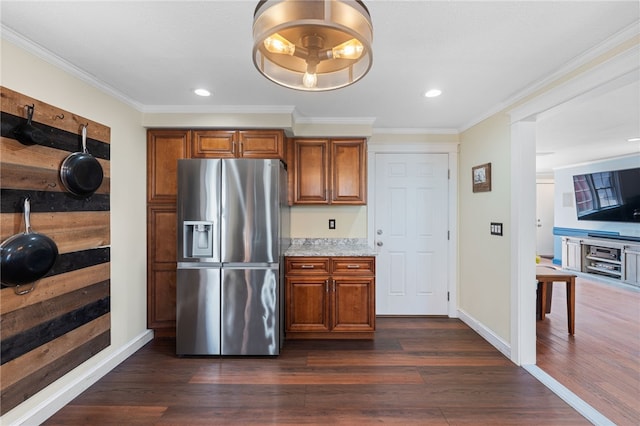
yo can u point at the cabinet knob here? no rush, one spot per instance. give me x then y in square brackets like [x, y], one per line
[379, 244]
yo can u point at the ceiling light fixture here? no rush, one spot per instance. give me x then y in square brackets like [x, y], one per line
[312, 45]
[633, 140]
[202, 92]
[433, 93]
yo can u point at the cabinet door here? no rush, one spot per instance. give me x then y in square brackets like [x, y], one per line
[307, 303]
[310, 171]
[571, 254]
[161, 265]
[353, 302]
[261, 144]
[632, 265]
[164, 149]
[215, 144]
[348, 171]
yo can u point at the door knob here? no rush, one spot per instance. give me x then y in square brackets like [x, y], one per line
[379, 243]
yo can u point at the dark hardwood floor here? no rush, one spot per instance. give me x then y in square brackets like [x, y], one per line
[433, 371]
[601, 362]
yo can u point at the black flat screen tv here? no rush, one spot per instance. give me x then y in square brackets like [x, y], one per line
[611, 196]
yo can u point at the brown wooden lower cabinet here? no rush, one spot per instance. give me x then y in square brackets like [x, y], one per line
[161, 269]
[330, 297]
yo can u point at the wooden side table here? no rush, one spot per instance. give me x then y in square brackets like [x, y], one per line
[546, 276]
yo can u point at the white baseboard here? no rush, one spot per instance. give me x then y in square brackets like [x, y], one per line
[51, 405]
[565, 394]
[586, 410]
[487, 334]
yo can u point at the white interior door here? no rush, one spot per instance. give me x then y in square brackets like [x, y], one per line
[411, 227]
[544, 212]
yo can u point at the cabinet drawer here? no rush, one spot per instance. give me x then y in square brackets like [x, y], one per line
[307, 265]
[353, 265]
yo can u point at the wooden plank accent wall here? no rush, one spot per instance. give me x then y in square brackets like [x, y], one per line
[65, 319]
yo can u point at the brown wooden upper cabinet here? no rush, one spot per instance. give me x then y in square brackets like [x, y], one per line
[164, 148]
[238, 144]
[328, 171]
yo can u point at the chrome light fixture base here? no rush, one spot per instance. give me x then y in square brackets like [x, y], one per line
[312, 45]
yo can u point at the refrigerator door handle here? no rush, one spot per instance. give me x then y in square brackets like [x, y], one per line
[251, 265]
[199, 265]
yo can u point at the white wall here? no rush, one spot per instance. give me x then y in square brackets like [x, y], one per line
[565, 206]
[27, 74]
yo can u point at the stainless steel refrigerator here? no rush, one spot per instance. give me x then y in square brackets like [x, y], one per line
[233, 227]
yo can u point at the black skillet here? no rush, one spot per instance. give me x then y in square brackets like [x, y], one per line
[27, 133]
[26, 257]
[80, 172]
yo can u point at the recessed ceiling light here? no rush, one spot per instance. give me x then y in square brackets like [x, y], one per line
[202, 92]
[633, 140]
[433, 93]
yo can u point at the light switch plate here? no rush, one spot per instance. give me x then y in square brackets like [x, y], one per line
[332, 224]
[496, 228]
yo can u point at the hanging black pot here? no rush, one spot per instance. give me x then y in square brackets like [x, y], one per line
[26, 257]
[27, 133]
[81, 173]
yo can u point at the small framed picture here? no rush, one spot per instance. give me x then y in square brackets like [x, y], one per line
[481, 176]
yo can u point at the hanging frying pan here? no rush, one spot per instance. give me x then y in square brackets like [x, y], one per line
[27, 133]
[26, 257]
[81, 173]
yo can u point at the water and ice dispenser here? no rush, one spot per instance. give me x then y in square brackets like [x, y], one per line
[198, 239]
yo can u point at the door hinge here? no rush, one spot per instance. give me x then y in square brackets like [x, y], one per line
[447, 296]
[448, 235]
[448, 173]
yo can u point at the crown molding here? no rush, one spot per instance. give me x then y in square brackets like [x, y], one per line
[35, 49]
[361, 121]
[218, 109]
[607, 45]
[618, 71]
[598, 161]
[414, 131]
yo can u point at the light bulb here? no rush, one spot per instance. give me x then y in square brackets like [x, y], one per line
[278, 44]
[350, 49]
[309, 80]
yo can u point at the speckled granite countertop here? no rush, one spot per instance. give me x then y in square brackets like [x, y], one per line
[329, 247]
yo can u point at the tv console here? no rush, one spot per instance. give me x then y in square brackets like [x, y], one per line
[614, 237]
[616, 259]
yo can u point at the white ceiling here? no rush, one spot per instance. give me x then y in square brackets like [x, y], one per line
[482, 55]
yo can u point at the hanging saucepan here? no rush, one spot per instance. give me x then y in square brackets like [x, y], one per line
[81, 173]
[27, 133]
[26, 257]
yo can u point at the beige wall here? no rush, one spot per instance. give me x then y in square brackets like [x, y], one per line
[313, 221]
[484, 259]
[31, 76]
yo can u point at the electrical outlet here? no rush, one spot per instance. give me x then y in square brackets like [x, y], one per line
[332, 224]
[496, 228]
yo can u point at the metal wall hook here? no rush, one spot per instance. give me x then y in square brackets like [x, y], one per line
[21, 292]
